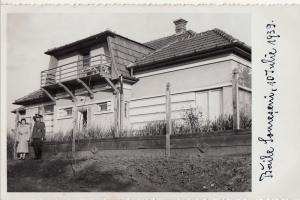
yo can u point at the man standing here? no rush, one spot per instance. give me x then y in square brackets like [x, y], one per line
[38, 136]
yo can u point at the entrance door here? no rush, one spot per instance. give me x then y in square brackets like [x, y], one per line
[82, 119]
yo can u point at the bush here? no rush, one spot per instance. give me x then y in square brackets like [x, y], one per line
[192, 119]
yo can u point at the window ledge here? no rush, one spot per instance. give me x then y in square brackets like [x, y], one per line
[66, 117]
[102, 112]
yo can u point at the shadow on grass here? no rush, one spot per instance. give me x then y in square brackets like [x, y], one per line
[109, 180]
[52, 176]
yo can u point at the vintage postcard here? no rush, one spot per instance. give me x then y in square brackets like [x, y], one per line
[150, 102]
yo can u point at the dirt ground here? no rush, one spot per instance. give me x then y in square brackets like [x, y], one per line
[96, 173]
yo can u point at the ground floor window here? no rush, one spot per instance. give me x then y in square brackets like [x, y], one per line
[209, 104]
[104, 106]
[49, 108]
[66, 112]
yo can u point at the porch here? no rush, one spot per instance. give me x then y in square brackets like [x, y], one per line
[87, 69]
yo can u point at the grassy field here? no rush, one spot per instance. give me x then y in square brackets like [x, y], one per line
[120, 173]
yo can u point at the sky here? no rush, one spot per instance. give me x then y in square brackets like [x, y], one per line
[30, 35]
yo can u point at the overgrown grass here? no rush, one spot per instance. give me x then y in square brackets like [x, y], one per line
[245, 121]
[97, 133]
[192, 122]
[91, 133]
[60, 136]
[152, 129]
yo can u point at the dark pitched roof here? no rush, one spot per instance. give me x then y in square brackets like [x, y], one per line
[20, 109]
[197, 43]
[161, 42]
[33, 97]
[86, 42]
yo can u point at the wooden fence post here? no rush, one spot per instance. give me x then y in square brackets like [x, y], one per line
[168, 119]
[235, 99]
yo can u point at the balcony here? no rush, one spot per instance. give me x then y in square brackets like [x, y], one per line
[88, 68]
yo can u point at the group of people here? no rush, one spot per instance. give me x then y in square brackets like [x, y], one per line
[35, 137]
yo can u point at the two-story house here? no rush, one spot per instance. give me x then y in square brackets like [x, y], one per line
[107, 80]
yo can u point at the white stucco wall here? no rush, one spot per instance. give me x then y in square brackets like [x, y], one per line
[193, 78]
[147, 101]
[96, 119]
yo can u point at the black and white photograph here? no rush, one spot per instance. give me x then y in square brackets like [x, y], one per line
[154, 102]
[124, 102]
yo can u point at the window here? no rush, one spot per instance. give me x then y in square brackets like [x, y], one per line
[49, 108]
[126, 109]
[85, 59]
[104, 106]
[209, 104]
[66, 112]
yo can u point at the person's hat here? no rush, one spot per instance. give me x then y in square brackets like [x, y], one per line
[38, 116]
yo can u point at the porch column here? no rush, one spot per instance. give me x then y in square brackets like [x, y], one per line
[89, 117]
[117, 113]
[121, 99]
[116, 106]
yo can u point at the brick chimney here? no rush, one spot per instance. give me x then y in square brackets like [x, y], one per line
[180, 25]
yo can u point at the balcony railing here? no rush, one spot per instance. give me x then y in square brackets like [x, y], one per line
[98, 64]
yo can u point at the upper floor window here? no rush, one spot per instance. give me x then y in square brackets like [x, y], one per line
[86, 59]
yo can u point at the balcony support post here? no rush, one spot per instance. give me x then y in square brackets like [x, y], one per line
[48, 94]
[86, 87]
[75, 114]
[116, 106]
[74, 99]
[111, 84]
